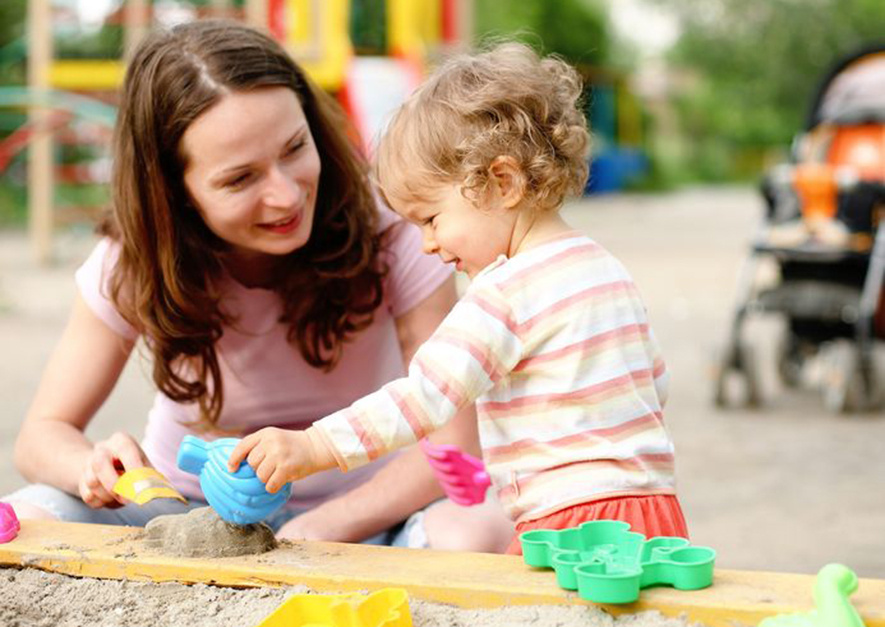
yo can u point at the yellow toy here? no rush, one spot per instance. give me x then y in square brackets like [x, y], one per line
[388, 607]
[141, 485]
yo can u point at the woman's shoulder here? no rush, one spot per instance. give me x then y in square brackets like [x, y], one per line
[387, 217]
[93, 280]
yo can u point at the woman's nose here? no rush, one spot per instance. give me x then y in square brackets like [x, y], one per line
[281, 190]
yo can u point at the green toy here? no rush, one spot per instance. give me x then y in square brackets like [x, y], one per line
[607, 563]
[834, 584]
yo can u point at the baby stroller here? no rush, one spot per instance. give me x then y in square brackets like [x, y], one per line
[824, 229]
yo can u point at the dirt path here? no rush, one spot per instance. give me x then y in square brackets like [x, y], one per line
[790, 488]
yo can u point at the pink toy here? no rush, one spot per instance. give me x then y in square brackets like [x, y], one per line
[462, 476]
[9, 524]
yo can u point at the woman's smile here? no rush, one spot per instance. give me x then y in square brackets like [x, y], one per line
[284, 225]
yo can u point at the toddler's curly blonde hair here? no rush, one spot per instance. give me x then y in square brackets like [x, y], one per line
[506, 101]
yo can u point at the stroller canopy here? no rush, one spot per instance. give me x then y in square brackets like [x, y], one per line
[853, 92]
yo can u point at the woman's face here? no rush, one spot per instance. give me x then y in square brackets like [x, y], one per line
[253, 170]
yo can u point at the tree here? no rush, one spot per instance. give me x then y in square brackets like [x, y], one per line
[12, 43]
[759, 62]
[574, 29]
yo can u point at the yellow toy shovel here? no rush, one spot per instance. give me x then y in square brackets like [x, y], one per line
[388, 607]
[141, 485]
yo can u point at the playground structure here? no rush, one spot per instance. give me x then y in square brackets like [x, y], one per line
[71, 100]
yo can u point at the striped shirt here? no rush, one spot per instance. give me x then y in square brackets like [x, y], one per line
[554, 347]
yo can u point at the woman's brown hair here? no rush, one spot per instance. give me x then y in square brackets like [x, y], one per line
[166, 280]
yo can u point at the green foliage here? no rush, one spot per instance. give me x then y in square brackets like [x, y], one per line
[574, 29]
[757, 65]
[12, 46]
[104, 43]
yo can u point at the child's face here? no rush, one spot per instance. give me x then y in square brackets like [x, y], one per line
[253, 171]
[460, 232]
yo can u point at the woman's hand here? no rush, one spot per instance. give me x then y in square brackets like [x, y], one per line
[108, 460]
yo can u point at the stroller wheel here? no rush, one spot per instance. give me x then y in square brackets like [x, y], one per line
[842, 383]
[791, 359]
[737, 379]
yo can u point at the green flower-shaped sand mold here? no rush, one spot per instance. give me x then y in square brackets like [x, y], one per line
[607, 563]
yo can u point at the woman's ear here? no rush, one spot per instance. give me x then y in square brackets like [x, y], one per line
[508, 180]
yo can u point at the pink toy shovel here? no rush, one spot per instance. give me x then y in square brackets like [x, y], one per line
[462, 476]
[9, 525]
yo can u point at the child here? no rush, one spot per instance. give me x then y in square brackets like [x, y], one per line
[551, 338]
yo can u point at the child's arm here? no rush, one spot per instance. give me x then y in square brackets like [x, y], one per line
[474, 347]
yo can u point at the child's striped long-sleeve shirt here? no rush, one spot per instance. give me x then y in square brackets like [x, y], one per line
[555, 348]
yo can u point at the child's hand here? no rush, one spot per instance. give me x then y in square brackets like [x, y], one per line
[279, 456]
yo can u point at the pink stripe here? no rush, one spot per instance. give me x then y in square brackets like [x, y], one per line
[415, 423]
[565, 303]
[637, 463]
[659, 368]
[581, 249]
[491, 370]
[620, 332]
[365, 438]
[493, 310]
[525, 446]
[454, 396]
[583, 393]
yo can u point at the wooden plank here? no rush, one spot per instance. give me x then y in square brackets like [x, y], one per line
[465, 579]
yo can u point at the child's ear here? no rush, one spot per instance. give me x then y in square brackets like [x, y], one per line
[508, 179]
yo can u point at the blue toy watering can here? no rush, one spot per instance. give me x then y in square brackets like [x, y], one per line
[239, 497]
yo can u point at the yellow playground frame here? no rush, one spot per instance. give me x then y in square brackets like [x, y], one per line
[316, 33]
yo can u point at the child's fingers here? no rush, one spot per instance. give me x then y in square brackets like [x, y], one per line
[265, 470]
[256, 456]
[276, 481]
[241, 450]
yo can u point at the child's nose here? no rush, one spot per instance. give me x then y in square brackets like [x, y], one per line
[280, 190]
[428, 242]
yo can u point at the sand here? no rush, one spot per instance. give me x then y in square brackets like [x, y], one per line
[202, 533]
[33, 598]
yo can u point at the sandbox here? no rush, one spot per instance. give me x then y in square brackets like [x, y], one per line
[445, 588]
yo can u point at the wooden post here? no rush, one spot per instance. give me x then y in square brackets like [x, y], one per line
[465, 23]
[136, 23]
[221, 8]
[40, 157]
[256, 14]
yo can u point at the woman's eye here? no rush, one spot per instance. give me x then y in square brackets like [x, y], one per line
[238, 182]
[291, 150]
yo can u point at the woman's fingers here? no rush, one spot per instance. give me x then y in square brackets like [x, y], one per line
[106, 471]
[94, 493]
[126, 449]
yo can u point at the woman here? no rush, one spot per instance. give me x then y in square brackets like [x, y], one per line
[247, 248]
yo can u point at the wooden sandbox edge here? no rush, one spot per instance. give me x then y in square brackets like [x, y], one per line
[471, 580]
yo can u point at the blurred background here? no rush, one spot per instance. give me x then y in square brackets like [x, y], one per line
[737, 169]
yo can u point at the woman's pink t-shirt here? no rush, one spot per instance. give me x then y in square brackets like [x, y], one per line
[266, 381]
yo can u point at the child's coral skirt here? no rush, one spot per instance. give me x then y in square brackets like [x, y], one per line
[654, 515]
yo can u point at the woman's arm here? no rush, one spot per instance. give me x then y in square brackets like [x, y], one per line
[51, 446]
[407, 483]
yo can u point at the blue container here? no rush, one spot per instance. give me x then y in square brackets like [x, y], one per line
[239, 497]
